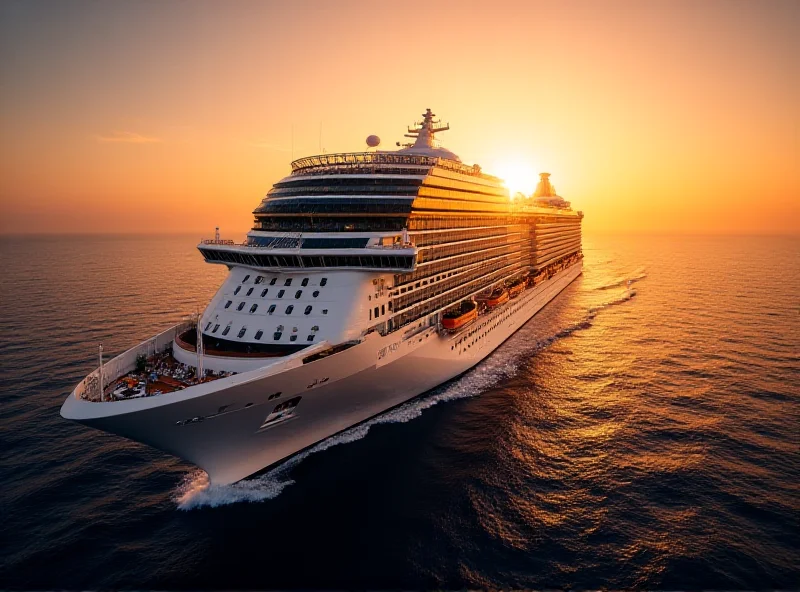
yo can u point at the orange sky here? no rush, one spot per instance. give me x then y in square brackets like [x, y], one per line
[177, 116]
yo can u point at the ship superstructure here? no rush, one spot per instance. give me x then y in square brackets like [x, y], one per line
[367, 279]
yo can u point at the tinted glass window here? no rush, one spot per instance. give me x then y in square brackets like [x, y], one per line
[324, 311]
[236, 291]
[304, 282]
[253, 308]
[323, 281]
[215, 328]
[310, 338]
[277, 335]
[272, 281]
[264, 292]
[308, 310]
[241, 306]
[247, 277]
[259, 334]
[228, 303]
[281, 293]
[242, 331]
[226, 330]
[271, 309]
[250, 291]
[298, 294]
[259, 279]
[288, 282]
[207, 326]
[293, 338]
[316, 293]
[289, 309]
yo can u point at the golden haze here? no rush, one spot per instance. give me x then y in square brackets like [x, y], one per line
[651, 116]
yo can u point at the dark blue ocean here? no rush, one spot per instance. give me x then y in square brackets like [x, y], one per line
[650, 441]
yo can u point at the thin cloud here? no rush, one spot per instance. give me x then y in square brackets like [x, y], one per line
[270, 146]
[127, 138]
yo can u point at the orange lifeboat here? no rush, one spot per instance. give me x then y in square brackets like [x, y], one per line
[516, 289]
[458, 317]
[498, 297]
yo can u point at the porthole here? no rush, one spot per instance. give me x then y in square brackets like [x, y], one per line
[289, 309]
[241, 305]
[259, 333]
[228, 303]
[247, 277]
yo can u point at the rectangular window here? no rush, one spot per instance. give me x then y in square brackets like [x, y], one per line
[250, 291]
[323, 281]
[272, 281]
[281, 293]
[376, 312]
[226, 330]
[241, 305]
[259, 333]
[264, 292]
[228, 303]
[242, 332]
[304, 283]
[271, 309]
[288, 282]
[215, 328]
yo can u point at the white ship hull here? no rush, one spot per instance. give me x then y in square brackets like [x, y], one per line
[219, 426]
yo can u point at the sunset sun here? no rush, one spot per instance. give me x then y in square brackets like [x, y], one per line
[518, 176]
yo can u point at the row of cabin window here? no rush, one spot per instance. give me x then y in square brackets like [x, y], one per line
[272, 307]
[276, 336]
[288, 282]
[382, 311]
[280, 292]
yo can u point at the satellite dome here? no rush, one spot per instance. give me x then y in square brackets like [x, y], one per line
[373, 141]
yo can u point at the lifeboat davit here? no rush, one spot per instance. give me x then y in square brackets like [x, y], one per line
[458, 317]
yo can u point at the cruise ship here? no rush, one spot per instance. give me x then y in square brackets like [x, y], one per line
[368, 278]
